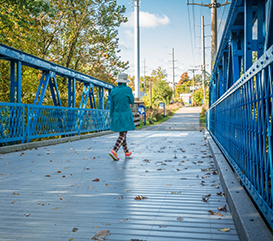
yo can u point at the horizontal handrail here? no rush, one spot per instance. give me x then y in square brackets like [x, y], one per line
[25, 122]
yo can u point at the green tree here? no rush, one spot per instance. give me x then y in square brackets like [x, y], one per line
[159, 74]
[162, 92]
[81, 35]
[198, 96]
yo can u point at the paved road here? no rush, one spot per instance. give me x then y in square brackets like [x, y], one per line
[70, 191]
[185, 119]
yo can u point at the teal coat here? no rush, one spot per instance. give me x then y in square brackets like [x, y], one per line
[120, 111]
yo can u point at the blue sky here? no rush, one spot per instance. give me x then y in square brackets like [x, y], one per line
[167, 24]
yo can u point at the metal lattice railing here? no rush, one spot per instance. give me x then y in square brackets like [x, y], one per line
[241, 123]
[20, 122]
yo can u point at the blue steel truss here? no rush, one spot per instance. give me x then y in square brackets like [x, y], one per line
[24, 122]
[241, 94]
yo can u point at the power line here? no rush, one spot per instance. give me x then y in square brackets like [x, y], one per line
[191, 35]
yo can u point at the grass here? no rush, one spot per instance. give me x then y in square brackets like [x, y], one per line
[155, 123]
[203, 120]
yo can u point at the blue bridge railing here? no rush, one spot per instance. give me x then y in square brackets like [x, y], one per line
[24, 122]
[21, 122]
[241, 94]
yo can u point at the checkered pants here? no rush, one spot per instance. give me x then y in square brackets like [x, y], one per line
[121, 141]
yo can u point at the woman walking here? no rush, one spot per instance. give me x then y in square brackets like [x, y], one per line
[121, 115]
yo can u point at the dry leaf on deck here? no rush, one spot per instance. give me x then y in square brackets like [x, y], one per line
[224, 229]
[100, 235]
[140, 197]
[75, 229]
[96, 180]
[180, 219]
[214, 213]
[124, 220]
[208, 195]
[223, 208]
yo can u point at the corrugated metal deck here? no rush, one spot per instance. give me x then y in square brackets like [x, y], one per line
[46, 193]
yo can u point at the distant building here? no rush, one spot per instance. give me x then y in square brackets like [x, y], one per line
[186, 98]
[141, 94]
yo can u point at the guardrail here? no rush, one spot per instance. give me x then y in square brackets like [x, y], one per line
[240, 121]
[25, 122]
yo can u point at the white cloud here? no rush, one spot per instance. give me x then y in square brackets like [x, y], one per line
[129, 34]
[124, 46]
[148, 20]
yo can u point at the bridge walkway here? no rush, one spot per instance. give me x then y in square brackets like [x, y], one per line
[72, 190]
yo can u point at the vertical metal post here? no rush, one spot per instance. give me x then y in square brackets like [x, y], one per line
[173, 72]
[261, 30]
[144, 77]
[248, 34]
[203, 57]
[71, 92]
[19, 80]
[269, 26]
[137, 55]
[213, 30]
[12, 81]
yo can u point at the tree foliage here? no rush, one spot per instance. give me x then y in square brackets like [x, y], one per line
[183, 78]
[78, 34]
[161, 91]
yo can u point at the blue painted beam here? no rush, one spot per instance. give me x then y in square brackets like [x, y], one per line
[248, 14]
[9, 53]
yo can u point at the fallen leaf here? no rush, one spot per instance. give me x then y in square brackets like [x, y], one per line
[16, 193]
[163, 226]
[219, 193]
[13, 202]
[71, 239]
[214, 213]
[100, 235]
[204, 199]
[223, 208]
[74, 185]
[124, 220]
[127, 190]
[120, 198]
[47, 175]
[55, 208]
[140, 197]
[96, 180]
[75, 229]
[90, 187]
[208, 195]
[180, 219]
[107, 185]
[224, 229]
[59, 172]
[27, 214]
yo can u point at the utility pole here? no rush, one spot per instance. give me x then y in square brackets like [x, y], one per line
[193, 79]
[137, 58]
[144, 77]
[173, 72]
[203, 57]
[213, 5]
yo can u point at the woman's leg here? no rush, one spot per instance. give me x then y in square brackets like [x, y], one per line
[120, 141]
[124, 143]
